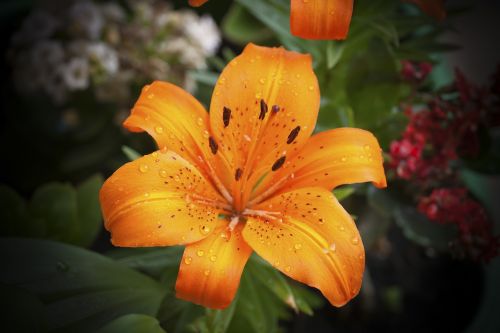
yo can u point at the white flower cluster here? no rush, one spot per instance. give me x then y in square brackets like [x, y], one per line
[109, 48]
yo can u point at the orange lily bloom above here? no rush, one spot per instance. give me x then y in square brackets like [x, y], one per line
[245, 177]
[315, 19]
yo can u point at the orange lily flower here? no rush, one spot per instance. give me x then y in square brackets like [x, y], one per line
[245, 177]
[315, 19]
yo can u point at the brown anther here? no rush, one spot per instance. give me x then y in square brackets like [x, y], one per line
[226, 116]
[263, 109]
[293, 134]
[279, 163]
[238, 174]
[213, 145]
[275, 109]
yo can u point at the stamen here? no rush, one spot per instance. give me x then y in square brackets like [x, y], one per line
[234, 222]
[279, 163]
[267, 193]
[213, 145]
[262, 213]
[293, 134]
[222, 189]
[237, 174]
[226, 116]
[209, 202]
[263, 109]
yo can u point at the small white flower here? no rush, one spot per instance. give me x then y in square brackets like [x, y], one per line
[188, 54]
[204, 32]
[104, 56]
[86, 19]
[76, 74]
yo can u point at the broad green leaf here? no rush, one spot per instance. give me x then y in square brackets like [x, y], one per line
[55, 204]
[215, 321]
[334, 52]
[241, 28]
[176, 315]
[343, 192]
[81, 290]
[15, 218]
[131, 154]
[89, 210]
[22, 311]
[150, 260]
[132, 323]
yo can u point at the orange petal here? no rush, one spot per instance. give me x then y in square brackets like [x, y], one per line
[315, 242]
[321, 19]
[332, 158]
[434, 8]
[211, 269]
[197, 3]
[158, 200]
[174, 118]
[264, 107]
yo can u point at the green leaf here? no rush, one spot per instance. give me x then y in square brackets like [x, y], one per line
[81, 290]
[241, 28]
[14, 215]
[55, 204]
[343, 192]
[131, 154]
[89, 210]
[334, 51]
[132, 323]
[15, 304]
[215, 321]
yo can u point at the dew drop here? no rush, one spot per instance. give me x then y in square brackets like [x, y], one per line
[206, 272]
[143, 168]
[151, 96]
[199, 122]
[204, 230]
[163, 173]
[213, 258]
[200, 253]
[367, 147]
[262, 80]
[288, 268]
[297, 246]
[146, 194]
[333, 247]
[311, 88]
[341, 228]
[343, 159]
[159, 129]
[355, 240]
[188, 260]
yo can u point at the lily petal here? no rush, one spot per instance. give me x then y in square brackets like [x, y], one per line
[332, 158]
[159, 200]
[211, 269]
[321, 19]
[264, 107]
[316, 242]
[197, 3]
[174, 118]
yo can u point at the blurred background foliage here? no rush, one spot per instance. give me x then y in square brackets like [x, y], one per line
[61, 136]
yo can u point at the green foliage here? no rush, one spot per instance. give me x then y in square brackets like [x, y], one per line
[81, 290]
[56, 211]
[264, 296]
[132, 323]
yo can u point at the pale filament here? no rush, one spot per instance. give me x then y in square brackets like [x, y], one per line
[222, 189]
[209, 202]
[270, 191]
[234, 222]
[262, 213]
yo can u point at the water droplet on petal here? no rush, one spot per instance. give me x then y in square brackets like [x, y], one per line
[262, 80]
[151, 96]
[159, 129]
[206, 272]
[333, 247]
[188, 260]
[213, 258]
[200, 253]
[367, 147]
[288, 268]
[199, 122]
[163, 173]
[204, 230]
[355, 240]
[297, 246]
[343, 159]
[143, 168]
[311, 88]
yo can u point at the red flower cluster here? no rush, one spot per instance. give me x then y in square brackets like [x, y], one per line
[437, 136]
[455, 206]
